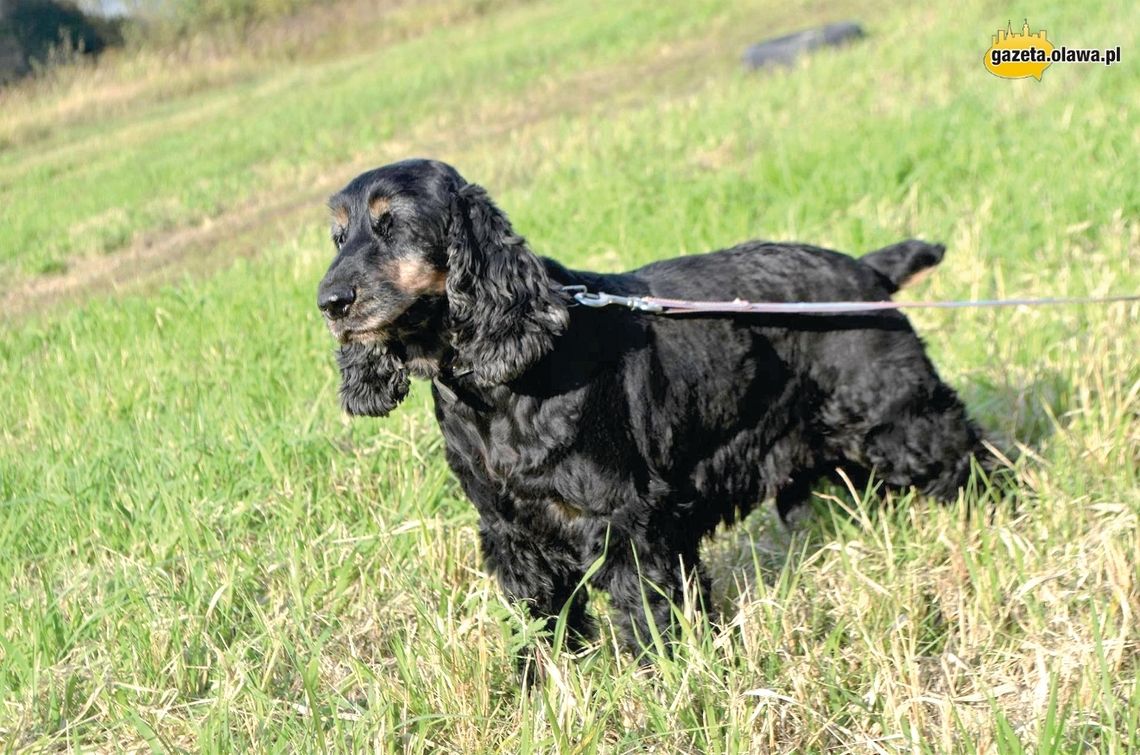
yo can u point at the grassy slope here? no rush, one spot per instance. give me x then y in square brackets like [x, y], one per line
[200, 551]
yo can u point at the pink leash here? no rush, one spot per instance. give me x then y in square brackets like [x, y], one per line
[663, 306]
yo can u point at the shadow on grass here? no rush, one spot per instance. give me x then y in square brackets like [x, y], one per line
[761, 548]
[1025, 412]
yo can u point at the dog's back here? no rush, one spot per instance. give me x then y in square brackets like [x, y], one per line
[768, 271]
[802, 395]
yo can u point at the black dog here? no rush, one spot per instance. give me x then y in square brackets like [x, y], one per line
[579, 433]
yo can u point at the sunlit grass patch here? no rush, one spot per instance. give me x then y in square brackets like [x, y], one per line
[201, 552]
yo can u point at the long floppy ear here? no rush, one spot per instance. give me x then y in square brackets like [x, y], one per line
[373, 380]
[504, 315]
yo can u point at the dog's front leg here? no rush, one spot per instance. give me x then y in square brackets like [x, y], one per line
[646, 579]
[542, 574]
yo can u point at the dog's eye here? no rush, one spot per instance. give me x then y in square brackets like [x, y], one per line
[338, 238]
[383, 224]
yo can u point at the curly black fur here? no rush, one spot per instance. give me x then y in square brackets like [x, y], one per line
[504, 314]
[373, 381]
[581, 433]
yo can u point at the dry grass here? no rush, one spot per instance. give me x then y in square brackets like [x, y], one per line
[125, 83]
[201, 553]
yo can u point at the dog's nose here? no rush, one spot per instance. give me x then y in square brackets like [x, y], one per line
[335, 302]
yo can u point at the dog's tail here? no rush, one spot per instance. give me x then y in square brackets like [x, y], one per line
[905, 262]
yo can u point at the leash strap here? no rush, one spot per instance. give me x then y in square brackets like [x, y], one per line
[662, 306]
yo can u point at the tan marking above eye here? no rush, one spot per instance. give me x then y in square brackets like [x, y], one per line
[378, 205]
[416, 277]
[340, 216]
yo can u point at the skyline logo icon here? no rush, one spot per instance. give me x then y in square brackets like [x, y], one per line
[1019, 56]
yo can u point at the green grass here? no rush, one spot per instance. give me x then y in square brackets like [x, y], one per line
[198, 551]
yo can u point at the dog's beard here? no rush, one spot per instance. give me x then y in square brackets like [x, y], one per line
[374, 380]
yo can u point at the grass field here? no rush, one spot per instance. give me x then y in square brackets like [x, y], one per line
[199, 552]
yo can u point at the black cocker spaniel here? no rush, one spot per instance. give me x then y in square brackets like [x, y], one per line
[581, 432]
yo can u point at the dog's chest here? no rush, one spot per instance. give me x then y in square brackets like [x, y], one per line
[547, 454]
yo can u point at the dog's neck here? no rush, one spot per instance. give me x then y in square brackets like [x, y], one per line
[419, 338]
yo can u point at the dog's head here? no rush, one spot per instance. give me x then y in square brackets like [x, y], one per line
[428, 269]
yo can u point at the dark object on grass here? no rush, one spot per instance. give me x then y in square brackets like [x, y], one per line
[32, 31]
[783, 51]
[582, 434]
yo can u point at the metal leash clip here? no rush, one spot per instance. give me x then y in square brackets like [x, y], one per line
[598, 300]
[573, 292]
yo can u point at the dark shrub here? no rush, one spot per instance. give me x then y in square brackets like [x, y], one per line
[33, 32]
